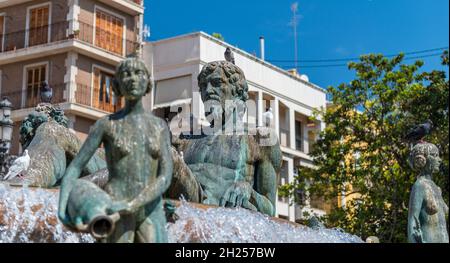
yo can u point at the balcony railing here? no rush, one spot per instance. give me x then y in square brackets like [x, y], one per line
[109, 42]
[18, 95]
[83, 96]
[36, 36]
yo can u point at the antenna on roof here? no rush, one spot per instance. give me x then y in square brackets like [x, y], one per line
[146, 32]
[294, 23]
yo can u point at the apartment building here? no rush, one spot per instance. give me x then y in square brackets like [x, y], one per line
[74, 46]
[176, 63]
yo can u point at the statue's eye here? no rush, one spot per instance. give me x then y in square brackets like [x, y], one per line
[216, 82]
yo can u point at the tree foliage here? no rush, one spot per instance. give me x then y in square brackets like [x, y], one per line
[218, 36]
[361, 153]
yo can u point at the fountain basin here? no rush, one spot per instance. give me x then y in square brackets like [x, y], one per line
[29, 215]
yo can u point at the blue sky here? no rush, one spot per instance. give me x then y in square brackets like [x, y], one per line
[327, 29]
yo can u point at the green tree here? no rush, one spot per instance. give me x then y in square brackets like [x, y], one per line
[218, 36]
[361, 149]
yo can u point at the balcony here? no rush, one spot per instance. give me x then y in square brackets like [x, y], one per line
[132, 7]
[5, 3]
[83, 100]
[35, 41]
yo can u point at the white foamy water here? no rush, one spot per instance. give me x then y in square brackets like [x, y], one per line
[30, 216]
[225, 225]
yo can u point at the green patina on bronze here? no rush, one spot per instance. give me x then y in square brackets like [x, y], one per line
[51, 146]
[42, 113]
[137, 148]
[427, 209]
[228, 169]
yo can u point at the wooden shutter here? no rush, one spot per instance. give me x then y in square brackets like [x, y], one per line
[109, 32]
[35, 77]
[103, 95]
[2, 30]
[38, 27]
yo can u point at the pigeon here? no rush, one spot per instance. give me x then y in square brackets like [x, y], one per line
[46, 92]
[417, 133]
[19, 165]
[229, 55]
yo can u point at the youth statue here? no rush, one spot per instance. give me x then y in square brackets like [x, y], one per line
[137, 146]
[427, 210]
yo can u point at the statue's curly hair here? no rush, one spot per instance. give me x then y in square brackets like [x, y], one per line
[419, 154]
[233, 76]
[124, 64]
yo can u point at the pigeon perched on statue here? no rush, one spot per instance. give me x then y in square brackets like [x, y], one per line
[19, 166]
[46, 92]
[417, 133]
[229, 56]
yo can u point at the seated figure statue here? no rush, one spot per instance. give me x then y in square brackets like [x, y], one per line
[137, 149]
[427, 210]
[219, 167]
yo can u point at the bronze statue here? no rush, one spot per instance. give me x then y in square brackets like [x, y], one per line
[427, 209]
[137, 146]
[222, 166]
[51, 146]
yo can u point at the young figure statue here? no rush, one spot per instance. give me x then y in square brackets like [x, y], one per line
[139, 162]
[427, 210]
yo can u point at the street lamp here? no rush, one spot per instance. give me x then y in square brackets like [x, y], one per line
[6, 127]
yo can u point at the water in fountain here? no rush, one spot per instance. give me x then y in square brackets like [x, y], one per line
[29, 215]
[225, 225]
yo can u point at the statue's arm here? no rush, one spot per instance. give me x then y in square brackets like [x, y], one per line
[264, 194]
[73, 172]
[157, 188]
[415, 206]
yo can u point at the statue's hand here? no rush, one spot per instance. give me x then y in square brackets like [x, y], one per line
[65, 220]
[417, 232]
[121, 207]
[238, 195]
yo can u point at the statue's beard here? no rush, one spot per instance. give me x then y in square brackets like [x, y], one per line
[215, 116]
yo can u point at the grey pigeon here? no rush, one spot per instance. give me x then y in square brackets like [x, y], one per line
[229, 56]
[418, 132]
[46, 92]
[19, 166]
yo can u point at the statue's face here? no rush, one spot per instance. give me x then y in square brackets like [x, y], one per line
[218, 88]
[133, 80]
[433, 160]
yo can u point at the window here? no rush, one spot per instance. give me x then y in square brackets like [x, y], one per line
[109, 32]
[103, 96]
[2, 31]
[298, 135]
[34, 78]
[283, 179]
[39, 25]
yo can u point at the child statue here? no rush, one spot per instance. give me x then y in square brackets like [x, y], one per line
[427, 210]
[137, 146]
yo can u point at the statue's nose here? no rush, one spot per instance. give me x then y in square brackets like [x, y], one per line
[209, 88]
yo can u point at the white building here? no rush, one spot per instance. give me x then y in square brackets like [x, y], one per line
[176, 63]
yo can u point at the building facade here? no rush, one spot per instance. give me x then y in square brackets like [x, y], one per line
[176, 63]
[74, 46]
